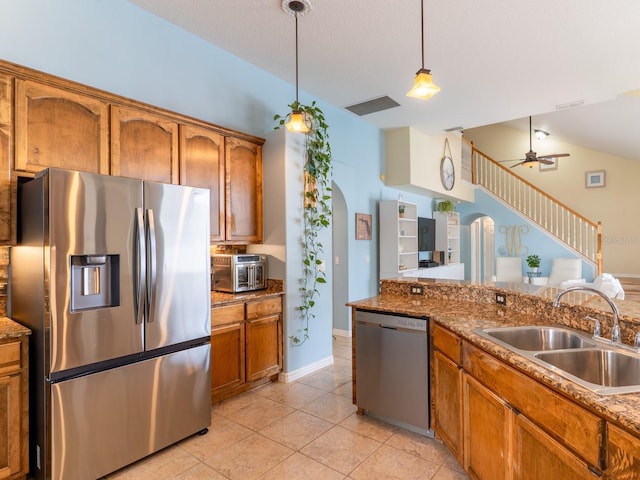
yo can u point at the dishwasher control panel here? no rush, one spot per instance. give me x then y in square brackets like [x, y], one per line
[392, 321]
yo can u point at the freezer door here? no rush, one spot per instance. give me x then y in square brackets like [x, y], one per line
[88, 239]
[104, 421]
[178, 264]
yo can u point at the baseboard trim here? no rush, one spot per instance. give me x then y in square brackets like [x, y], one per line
[341, 333]
[288, 377]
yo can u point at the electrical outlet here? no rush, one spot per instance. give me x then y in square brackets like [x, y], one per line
[417, 290]
[501, 298]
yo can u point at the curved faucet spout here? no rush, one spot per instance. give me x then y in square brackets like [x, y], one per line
[615, 331]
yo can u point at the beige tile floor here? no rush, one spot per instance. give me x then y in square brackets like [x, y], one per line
[305, 430]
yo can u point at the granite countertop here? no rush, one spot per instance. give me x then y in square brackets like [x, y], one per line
[463, 317]
[11, 329]
[274, 288]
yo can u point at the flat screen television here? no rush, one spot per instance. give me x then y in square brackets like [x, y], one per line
[426, 234]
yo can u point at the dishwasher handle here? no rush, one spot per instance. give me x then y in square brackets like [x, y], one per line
[395, 328]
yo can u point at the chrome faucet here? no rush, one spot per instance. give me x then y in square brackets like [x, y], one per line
[615, 331]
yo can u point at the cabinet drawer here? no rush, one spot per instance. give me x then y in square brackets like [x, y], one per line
[264, 307]
[227, 314]
[10, 357]
[447, 342]
[578, 429]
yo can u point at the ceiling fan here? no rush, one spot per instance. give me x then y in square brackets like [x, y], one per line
[532, 158]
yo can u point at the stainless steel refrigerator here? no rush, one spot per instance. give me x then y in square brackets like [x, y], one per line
[113, 277]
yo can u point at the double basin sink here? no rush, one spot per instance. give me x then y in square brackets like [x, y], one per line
[604, 369]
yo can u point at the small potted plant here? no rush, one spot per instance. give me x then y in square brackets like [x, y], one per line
[446, 206]
[401, 210]
[534, 262]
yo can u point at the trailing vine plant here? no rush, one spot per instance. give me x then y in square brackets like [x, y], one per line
[317, 209]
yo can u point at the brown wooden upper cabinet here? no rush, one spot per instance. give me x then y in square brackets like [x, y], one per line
[143, 145]
[59, 128]
[202, 165]
[6, 129]
[243, 188]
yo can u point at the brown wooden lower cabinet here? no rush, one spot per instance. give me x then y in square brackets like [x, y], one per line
[448, 399]
[623, 455]
[263, 348]
[486, 431]
[538, 456]
[246, 346]
[227, 357]
[514, 427]
[14, 400]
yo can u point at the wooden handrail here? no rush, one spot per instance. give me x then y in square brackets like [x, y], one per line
[560, 220]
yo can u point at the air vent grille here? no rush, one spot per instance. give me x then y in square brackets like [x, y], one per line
[372, 106]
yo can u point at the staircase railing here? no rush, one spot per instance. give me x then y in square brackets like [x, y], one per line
[574, 230]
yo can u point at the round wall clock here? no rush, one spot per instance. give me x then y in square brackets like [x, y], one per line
[447, 173]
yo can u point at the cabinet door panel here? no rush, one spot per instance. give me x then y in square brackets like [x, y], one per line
[623, 454]
[10, 431]
[264, 347]
[243, 169]
[227, 357]
[486, 432]
[448, 403]
[537, 456]
[202, 165]
[143, 145]
[6, 146]
[58, 128]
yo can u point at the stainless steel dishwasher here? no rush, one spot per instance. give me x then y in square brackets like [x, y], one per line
[392, 368]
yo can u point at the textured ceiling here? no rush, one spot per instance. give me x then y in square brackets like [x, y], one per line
[495, 60]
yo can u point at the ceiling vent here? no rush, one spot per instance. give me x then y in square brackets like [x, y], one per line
[373, 106]
[453, 129]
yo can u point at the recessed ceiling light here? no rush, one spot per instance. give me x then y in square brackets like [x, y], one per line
[540, 134]
[562, 106]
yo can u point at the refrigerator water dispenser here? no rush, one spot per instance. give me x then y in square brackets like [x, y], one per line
[94, 282]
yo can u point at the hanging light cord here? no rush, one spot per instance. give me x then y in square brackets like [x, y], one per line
[296, 15]
[421, 29]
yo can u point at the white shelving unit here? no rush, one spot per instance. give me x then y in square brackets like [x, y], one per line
[448, 236]
[398, 238]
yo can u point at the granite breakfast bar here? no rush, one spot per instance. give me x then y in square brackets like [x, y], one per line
[459, 308]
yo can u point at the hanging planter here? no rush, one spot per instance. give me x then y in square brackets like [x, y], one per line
[317, 209]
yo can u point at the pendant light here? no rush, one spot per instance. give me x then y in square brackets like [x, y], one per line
[297, 121]
[423, 86]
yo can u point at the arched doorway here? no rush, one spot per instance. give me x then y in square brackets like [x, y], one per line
[340, 264]
[482, 242]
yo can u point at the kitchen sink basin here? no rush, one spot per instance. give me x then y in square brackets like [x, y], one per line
[600, 367]
[535, 339]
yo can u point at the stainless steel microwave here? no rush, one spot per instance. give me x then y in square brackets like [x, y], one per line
[238, 272]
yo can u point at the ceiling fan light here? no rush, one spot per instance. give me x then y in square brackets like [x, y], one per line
[297, 122]
[423, 86]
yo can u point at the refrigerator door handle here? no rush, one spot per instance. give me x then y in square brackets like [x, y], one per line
[139, 260]
[151, 266]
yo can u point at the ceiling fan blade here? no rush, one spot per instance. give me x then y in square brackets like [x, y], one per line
[545, 161]
[512, 160]
[555, 155]
[519, 163]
